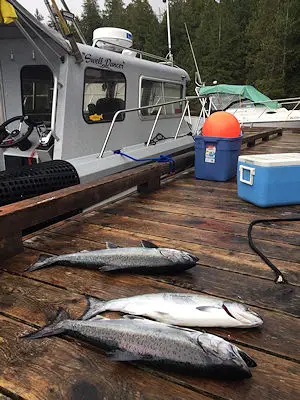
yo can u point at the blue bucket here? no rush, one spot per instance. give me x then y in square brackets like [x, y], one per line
[216, 158]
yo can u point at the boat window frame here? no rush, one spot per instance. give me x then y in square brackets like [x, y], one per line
[22, 92]
[162, 116]
[122, 116]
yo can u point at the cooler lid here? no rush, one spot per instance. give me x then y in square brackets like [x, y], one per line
[271, 160]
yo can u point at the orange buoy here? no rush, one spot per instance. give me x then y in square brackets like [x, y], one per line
[221, 124]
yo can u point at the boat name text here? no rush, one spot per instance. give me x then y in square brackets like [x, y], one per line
[103, 62]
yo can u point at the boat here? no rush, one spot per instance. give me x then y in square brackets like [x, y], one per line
[251, 107]
[103, 108]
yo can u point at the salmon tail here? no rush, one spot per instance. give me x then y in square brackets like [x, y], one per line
[94, 307]
[54, 328]
[43, 261]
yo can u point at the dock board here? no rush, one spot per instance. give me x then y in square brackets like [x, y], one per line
[206, 218]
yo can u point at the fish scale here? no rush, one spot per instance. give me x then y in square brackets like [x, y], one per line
[156, 343]
[146, 259]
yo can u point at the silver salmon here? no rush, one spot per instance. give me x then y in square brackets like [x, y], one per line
[146, 259]
[191, 310]
[156, 343]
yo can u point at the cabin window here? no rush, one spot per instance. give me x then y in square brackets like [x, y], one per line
[104, 95]
[157, 92]
[37, 92]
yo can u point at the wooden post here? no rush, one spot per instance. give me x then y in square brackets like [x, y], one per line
[150, 186]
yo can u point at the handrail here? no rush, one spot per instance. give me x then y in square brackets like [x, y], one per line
[181, 119]
[140, 52]
[154, 126]
[138, 109]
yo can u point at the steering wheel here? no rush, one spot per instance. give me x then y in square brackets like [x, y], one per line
[10, 138]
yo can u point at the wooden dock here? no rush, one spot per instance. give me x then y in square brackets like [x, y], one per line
[206, 218]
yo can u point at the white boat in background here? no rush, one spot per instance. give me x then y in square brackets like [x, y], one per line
[251, 107]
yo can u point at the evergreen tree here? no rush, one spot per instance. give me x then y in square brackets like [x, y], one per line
[266, 33]
[38, 15]
[291, 48]
[143, 23]
[91, 19]
[235, 41]
[114, 13]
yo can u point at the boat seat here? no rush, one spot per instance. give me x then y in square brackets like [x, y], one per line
[91, 108]
[108, 107]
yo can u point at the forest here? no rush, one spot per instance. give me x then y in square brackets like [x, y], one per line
[253, 42]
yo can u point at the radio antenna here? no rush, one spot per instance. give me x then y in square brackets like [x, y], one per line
[169, 55]
[198, 79]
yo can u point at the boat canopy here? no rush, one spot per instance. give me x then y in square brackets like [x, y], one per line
[16, 22]
[242, 91]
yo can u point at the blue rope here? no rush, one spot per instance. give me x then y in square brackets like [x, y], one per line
[162, 158]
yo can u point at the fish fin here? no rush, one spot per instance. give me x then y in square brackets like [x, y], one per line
[129, 316]
[248, 360]
[110, 245]
[162, 313]
[206, 308]
[54, 328]
[93, 307]
[181, 328]
[149, 245]
[40, 263]
[99, 318]
[121, 355]
[107, 268]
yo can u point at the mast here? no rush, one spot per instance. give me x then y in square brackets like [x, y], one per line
[198, 80]
[169, 55]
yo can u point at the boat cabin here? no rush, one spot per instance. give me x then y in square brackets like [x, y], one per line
[70, 100]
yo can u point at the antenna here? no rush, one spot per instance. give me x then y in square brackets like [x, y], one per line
[71, 17]
[169, 55]
[52, 16]
[198, 79]
[66, 32]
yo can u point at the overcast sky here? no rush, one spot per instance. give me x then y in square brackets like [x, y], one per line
[75, 5]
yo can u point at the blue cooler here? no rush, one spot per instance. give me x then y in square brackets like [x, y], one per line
[216, 158]
[269, 179]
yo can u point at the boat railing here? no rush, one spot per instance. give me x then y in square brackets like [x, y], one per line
[140, 53]
[290, 104]
[186, 110]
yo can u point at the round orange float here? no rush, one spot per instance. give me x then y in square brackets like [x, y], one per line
[221, 124]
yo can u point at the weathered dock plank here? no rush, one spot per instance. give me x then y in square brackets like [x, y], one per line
[95, 237]
[210, 224]
[55, 360]
[206, 218]
[36, 298]
[193, 235]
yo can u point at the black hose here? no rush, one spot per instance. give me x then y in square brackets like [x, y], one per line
[279, 276]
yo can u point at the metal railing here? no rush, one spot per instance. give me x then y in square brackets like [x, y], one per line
[159, 106]
[295, 101]
[141, 53]
[208, 105]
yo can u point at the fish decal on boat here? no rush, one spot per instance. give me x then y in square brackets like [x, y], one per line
[156, 343]
[191, 310]
[148, 258]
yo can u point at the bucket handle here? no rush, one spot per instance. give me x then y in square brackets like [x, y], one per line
[251, 176]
